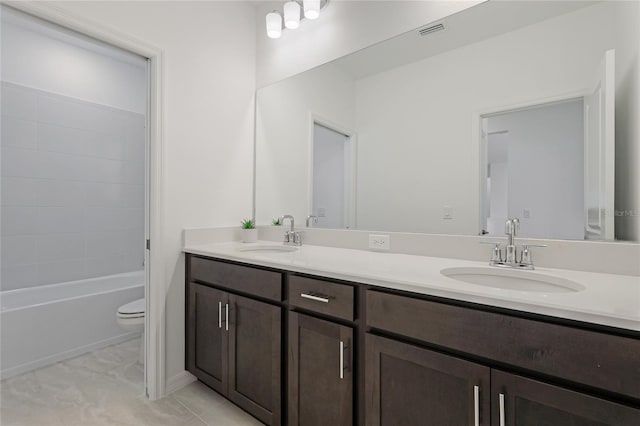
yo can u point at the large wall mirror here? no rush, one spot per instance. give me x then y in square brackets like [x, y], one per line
[507, 109]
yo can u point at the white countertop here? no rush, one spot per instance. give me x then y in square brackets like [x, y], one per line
[608, 299]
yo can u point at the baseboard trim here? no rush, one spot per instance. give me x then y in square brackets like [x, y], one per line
[178, 381]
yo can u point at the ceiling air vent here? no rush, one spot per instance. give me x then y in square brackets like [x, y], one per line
[432, 29]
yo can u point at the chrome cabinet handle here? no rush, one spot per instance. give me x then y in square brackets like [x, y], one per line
[502, 423]
[341, 359]
[476, 405]
[314, 297]
[226, 322]
[219, 314]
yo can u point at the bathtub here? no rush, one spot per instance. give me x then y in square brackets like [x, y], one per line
[43, 325]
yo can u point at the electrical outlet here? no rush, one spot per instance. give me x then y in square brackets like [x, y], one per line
[379, 242]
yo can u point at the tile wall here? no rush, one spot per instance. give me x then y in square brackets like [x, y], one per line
[72, 189]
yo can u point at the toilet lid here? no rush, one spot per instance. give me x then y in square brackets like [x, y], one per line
[135, 307]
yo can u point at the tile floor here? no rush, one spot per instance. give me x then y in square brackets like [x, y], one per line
[105, 388]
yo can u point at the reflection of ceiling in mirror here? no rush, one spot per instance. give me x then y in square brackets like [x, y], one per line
[480, 22]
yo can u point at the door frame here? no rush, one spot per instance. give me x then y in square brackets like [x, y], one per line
[350, 178]
[155, 294]
[479, 143]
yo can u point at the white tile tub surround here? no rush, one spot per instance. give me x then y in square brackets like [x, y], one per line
[72, 188]
[606, 257]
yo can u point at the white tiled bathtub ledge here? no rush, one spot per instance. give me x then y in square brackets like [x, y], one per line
[608, 299]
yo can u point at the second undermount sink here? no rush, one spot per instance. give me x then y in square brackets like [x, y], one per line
[511, 279]
[267, 248]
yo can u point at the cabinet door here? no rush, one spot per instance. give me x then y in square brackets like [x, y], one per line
[254, 357]
[207, 336]
[527, 402]
[407, 385]
[320, 372]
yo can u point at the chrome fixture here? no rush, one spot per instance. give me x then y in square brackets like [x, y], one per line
[294, 12]
[510, 260]
[291, 237]
[311, 219]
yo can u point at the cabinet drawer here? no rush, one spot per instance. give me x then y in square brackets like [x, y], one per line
[256, 282]
[321, 296]
[597, 359]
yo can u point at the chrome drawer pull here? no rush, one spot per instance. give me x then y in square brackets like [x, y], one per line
[219, 314]
[476, 405]
[226, 322]
[502, 423]
[341, 359]
[314, 297]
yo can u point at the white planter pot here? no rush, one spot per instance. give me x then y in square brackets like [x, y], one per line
[249, 235]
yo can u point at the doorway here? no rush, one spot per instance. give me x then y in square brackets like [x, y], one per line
[332, 178]
[154, 376]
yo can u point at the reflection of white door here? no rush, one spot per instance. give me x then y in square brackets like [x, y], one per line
[331, 177]
[599, 152]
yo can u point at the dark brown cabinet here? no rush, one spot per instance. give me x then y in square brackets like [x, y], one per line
[525, 402]
[408, 385]
[234, 346]
[358, 354]
[207, 338]
[320, 372]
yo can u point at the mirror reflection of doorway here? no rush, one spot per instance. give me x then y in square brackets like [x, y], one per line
[535, 170]
[332, 178]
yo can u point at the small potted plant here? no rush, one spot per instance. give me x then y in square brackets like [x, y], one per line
[277, 221]
[248, 231]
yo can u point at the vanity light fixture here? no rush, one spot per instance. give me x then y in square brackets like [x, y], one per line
[292, 15]
[311, 9]
[274, 25]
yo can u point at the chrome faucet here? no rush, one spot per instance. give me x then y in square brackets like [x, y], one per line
[291, 237]
[511, 229]
[311, 219]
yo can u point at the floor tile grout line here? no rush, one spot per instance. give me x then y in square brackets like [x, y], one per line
[191, 411]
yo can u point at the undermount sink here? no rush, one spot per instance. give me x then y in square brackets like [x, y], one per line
[511, 279]
[268, 248]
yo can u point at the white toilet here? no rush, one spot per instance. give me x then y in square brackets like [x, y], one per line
[131, 317]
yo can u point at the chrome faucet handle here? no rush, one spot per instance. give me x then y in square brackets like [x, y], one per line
[496, 253]
[297, 239]
[526, 253]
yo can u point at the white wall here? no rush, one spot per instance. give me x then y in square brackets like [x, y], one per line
[42, 56]
[343, 27]
[209, 84]
[545, 170]
[283, 137]
[433, 101]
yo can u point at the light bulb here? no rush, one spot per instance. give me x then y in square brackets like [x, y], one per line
[311, 9]
[291, 15]
[274, 25]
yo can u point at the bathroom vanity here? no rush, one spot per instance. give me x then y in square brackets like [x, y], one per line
[292, 344]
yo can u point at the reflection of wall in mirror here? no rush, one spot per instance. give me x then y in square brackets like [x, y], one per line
[284, 127]
[430, 104]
